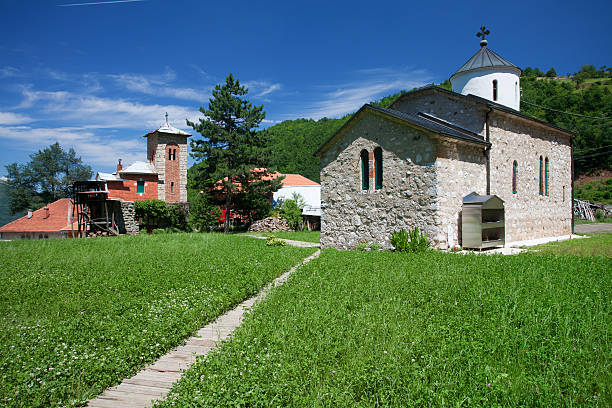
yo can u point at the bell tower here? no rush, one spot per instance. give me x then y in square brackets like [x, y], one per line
[489, 76]
[167, 152]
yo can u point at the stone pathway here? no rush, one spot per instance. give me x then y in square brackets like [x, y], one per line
[154, 381]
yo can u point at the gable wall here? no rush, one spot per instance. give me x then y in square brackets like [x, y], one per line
[528, 214]
[461, 170]
[438, 104]
[407, 199]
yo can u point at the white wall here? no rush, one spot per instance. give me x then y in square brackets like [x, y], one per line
[310, 194]
[480, 83]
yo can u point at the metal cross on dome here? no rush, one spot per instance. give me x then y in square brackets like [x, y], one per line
[483, 32]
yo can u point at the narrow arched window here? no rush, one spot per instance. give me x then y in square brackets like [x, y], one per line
[546, 176]
[365, 170]
[378, 168]
[514, 176]
[541, 176]
[495, 89]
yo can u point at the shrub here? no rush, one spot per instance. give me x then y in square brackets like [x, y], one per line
[203, 215]
[599, 215]
[413, 241]
[158, 231]
[291, 210]
[273, 241]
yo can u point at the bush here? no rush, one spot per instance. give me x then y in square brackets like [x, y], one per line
[156, 214]
[203, 215]
[291, 210]
[273, 241]
[599, 215]
[158, 231]
[413, 241]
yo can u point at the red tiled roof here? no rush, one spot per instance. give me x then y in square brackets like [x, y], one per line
[59, 218]
[288, 181]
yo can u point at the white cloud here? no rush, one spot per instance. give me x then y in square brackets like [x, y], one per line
[261, 88]
[8, 72]
[93, 149]
[159, 85]
[378, 82]
[10, 118]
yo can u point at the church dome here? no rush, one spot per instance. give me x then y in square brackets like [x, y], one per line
[489, 76]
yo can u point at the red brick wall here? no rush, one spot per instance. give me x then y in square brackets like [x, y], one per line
[126, 190]
[172, 182]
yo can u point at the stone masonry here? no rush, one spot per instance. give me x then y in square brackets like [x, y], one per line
[407, 198]
[157, 152]
[427, 175]
[129, 218]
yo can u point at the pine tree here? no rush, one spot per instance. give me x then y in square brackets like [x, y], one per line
[232, 149]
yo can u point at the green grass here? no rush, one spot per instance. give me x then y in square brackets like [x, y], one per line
[77, 316]
[306, 236]
[360, 329]
[594, 245]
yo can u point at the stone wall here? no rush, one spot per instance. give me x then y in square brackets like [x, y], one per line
[457, 110]
[461, 170]
[408, 195]
[530, 215]
[157, 153]
[130, 223]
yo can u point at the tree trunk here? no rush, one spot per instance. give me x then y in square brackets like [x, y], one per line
[228, 201]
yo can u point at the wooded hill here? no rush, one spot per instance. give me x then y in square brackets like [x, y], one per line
[586, 98]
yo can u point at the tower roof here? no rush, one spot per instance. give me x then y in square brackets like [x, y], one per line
[168, 128]
[485, 58]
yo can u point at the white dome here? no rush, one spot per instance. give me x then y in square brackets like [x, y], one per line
[489, 76]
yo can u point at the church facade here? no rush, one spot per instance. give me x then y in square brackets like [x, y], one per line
[411, 164]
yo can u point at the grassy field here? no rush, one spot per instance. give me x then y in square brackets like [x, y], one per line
[76, 316]
[389, 329]
[594, 245]
[306, 236]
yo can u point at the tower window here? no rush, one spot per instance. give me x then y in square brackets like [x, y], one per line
[514, 176]
[378, 168]
[365, 170]
[171, 154]
[495, 89]
[172, 187]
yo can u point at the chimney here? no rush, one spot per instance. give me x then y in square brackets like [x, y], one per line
[29, 213]
[46, 213]
[119, 166]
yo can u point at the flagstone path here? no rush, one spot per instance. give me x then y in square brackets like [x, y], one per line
[154, 381]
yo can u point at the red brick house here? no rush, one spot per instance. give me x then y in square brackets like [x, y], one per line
[52, 221]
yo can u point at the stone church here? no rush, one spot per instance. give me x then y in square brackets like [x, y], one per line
[411, 165]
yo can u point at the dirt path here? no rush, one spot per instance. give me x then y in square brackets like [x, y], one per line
[595, 228]
[154, 381]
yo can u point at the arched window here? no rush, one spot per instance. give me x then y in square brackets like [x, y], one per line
[546, 176]
[365, 170]
[495, 89]
[514, 176]
[541, 176]
[378, 168]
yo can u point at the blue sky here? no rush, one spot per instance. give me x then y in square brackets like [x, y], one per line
[97, 77]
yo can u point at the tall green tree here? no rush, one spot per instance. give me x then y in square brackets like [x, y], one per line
[46, 178]
[231, 149]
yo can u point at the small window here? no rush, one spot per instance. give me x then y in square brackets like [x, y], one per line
[378, 168]
[495, 89]
[514, 176]
[365, 170]
[171, 154]
[541, 176]
[140, 187]
[172, 187]
[563, 193]
[546, 176]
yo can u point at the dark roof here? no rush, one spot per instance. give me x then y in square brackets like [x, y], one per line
[485, 58]
[482, 101]
[431, 124]
[475, 198]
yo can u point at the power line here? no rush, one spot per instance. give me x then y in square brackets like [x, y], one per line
[567, 113]
[588, 156]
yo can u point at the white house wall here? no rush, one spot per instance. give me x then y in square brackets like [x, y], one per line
[310, 194]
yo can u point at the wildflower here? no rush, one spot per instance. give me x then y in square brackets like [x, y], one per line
[489, 385]
[333, 371]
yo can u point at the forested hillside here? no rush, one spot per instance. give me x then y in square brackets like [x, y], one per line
[585, 97]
